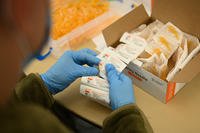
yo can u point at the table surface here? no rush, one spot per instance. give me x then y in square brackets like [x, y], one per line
[181, 114]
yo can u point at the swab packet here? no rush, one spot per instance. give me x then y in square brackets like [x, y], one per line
[109, 56]
[95, 82]
[133, 40]
[133, 47]
[156, 64]
[127, 52]
[147, 32]
[166, 40]
[97, 95]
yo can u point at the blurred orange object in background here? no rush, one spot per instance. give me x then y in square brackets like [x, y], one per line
[70, 14]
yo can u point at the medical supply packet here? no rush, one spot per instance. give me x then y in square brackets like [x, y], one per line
[133, 40]
[156, 64]
[97, 95]
[133, 47]
[109, 56]
[166, 40]
[148, 31]
[95, 82]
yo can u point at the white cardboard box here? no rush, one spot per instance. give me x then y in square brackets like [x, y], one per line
[177, 12]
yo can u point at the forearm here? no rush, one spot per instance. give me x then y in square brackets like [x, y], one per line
[127, 119]
[31, 89]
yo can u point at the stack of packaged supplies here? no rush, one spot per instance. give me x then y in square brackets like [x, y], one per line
[161, 49]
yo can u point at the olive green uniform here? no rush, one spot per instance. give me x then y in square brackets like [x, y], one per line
[32, 110]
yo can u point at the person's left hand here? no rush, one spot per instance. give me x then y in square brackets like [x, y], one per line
[70, 67]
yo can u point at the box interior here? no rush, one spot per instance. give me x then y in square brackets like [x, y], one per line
[163, 13]
[130, 21]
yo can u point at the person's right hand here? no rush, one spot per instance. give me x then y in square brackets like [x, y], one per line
[69, 67]
[120, 89]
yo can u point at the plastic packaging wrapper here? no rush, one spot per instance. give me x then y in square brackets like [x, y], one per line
[181, 53]
[166, 40]
[97, 95]
[133, 40]
[138, 30]
[156, 64]
[133, 47]
[95, 82]
[109, 56]
[147, 32]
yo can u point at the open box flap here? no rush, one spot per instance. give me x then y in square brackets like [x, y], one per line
[183, 13]
[189, 71]
[128, 22]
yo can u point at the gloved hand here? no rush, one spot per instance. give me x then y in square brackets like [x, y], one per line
[121, 88]
[69, 67]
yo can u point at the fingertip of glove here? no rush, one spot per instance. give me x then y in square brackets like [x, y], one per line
[89, 51]
[91, 71]
[95, 70]
[98, 60]
[109, 67]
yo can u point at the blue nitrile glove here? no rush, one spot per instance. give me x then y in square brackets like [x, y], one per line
[69, 67]
[121, 88]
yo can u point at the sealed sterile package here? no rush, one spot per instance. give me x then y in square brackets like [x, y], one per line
[135, 41]
[179, 57]
[128, 52]
[183, 55]
[150, 67]
[161, 71]
[147, 32]
[162, 67]
[109, 56]
[96, 82]
[163, 43]
[155, 26]
[177, 54]
[149, 64]
[156, 64]
[156, 48]
[97, 95]
[152, 58]
[139, 29]
[168, 47]
[166, 40]
[125, 56]
[172, 32]
[162, 60]
[102, 70]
